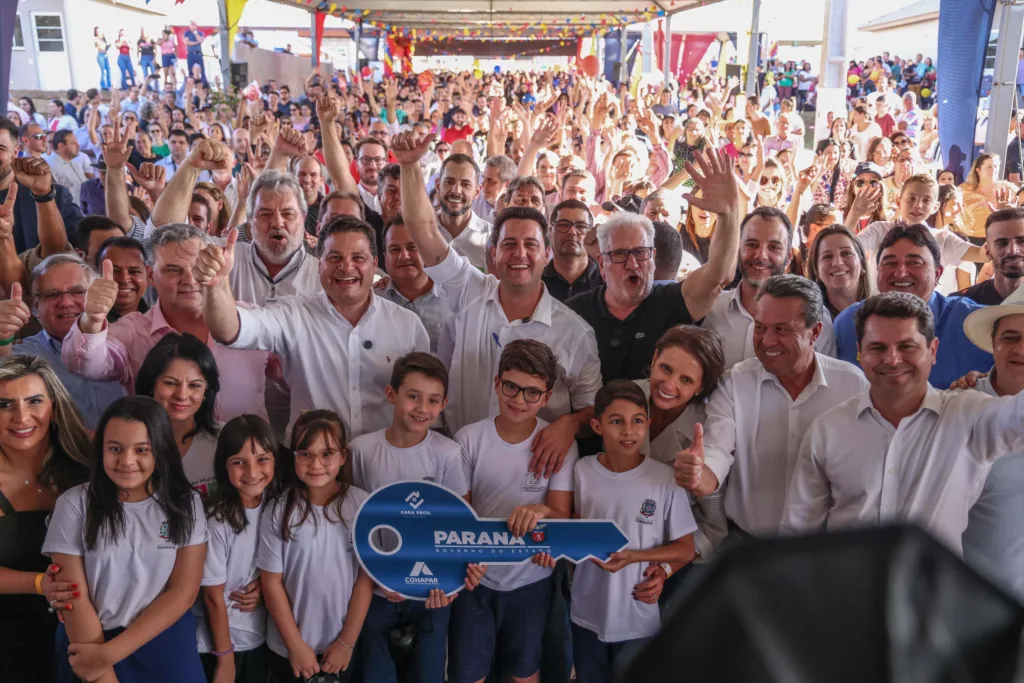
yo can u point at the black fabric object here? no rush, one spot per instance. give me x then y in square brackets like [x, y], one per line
[562, 290]
[983, 293]
[883, 605]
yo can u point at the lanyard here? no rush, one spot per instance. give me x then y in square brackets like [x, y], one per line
[284, 274]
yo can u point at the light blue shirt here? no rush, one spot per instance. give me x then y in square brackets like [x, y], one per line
[957, 355]
[91, 397]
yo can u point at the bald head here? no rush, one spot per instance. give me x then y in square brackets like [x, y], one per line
[463, 147]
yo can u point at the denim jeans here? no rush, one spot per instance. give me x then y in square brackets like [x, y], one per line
[148, 65]
[429, 648]
[104, 62]
[598, 662]
[124, 63]
[196, 58]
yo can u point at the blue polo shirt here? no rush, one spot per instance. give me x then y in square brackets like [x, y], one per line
[957, 355]
[194, 35]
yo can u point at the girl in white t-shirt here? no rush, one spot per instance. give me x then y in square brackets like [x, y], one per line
[315, 591]
[180, 372]
[231, 620]
[135, 536]
[615, 603]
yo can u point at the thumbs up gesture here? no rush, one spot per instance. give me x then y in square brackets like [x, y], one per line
[99, 300]
[214, 262]
[689, 467]
[14, 313]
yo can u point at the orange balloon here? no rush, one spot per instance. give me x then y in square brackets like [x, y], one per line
[590, 66]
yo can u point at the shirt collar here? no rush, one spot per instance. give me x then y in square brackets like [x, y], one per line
[817, 379]
[365, 319]
[932, 401]
[393, 292]
[541, 314]
[55, 343]
[985, 385]
[157, 322]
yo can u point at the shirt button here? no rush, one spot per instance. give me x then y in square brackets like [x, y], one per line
[890, 471]
[888, 507]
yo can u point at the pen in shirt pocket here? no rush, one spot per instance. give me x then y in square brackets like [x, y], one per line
[494, 336]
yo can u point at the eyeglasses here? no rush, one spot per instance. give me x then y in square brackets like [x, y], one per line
[376, 161]
[860, 182]
[38, 136]
[774, 181]
[746, 155]
[622, 255]
[54, 295]
[566, 226]
[530, 394]
[327, 457]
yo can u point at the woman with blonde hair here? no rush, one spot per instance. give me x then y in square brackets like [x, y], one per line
[220, 209]
[982, 188]
[44, 451]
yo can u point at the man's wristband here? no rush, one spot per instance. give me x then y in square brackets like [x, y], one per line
[224, 653]
[39, 583]
[43, 198]
[667, 567]
[7, 342]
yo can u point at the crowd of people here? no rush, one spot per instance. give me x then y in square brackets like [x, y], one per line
[145, 48]
[226, 326]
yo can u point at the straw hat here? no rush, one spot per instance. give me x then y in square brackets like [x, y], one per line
[978, 325]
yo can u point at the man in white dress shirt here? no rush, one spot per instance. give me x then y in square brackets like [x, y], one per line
[993, 541]
[457, 188]
[337, 346]
[765, 236]
[488, 313]
[903, 450]
[762, 408]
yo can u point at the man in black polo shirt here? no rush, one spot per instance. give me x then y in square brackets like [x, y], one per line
[1004, 245]
[629, 313]
[570, 271]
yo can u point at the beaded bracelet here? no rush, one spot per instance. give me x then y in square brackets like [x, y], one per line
[225, 652]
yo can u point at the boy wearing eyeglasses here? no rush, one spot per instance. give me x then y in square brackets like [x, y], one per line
[506, 615]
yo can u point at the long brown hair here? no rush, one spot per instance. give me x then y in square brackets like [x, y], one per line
[864, 287]
[223, 216]
[690, 225]
[974, 177]
[311, 425]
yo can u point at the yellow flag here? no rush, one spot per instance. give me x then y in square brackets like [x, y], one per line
[234, 14]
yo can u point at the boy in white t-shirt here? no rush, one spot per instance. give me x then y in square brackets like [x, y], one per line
[919, 199]
[507, 613]
[615, 603]
[406, 450]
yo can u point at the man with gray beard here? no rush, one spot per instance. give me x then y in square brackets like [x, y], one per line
[457, 187]
[629, 312]
[765, 236]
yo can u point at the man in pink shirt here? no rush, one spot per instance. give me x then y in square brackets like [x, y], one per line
[115, 351]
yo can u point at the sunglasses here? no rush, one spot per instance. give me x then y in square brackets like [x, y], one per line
[861, 182]
[774, 181]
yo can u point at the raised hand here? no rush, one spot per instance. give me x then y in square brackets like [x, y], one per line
[33, 174]
[718, 183]
[215, 262]
[690, 472]
[7, 213]
[867, 200]
[149, 177]
[14, 313]
[258, 123]
[210, 155]
[409, 147]
[391, 89]
[246, 176]
[291, 142]
[116, 153]
[99, 299]
[328, 109]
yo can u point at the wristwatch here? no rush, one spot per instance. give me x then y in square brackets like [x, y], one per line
[667, 567]
[43, 198]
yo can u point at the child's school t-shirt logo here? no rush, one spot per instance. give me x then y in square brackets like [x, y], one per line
[165, 531]
[647, 509]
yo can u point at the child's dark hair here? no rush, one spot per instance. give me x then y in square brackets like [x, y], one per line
[225, 503]
[531, 357]
[624, 389]
[423, 363]
[311, 425]
[168, 484]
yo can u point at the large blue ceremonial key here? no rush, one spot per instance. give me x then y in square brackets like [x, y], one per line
[431, 534]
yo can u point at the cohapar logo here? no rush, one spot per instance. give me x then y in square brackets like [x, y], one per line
[421, 575]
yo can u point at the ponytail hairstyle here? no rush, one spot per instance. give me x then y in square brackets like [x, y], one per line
[168, 484]
[311, 425]
[225, 503]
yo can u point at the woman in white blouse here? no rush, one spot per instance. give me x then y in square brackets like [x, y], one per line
[688, 362]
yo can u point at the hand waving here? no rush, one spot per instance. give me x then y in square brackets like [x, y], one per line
[720, 188]
[214, 262]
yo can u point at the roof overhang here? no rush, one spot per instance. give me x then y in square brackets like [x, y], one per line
[485, 19]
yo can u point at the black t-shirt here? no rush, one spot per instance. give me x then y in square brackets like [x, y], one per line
[700, 250]
[562, 290]
[983, 293]
[146, 48]
[1011, 161]
[626, 347]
